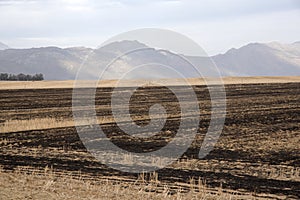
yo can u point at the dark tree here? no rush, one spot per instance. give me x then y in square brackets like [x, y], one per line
[12, 77]
[4, 76]
[21, 77]
[38, 77]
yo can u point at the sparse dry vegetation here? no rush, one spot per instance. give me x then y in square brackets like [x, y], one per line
[35, 184]
[33, 124]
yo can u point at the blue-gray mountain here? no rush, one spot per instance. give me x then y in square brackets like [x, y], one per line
[256, 59]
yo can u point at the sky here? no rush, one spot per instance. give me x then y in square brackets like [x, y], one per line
[216, 25]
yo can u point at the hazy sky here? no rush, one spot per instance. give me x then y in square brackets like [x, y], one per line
[217, 25]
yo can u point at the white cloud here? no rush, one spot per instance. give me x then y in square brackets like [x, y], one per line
[216, 24]
[218, 36]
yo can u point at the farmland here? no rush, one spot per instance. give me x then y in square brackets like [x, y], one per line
[258, 153]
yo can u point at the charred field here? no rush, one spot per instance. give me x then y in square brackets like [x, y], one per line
[257, 153]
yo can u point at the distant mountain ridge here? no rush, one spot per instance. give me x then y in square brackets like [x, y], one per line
[3, 46]
[255, 59]
[258, 59]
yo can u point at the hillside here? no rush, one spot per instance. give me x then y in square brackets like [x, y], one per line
[255, 59]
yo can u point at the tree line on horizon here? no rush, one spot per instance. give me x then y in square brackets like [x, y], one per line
[21, 77]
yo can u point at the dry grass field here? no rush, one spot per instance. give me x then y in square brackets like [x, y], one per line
[256, 157]
[51, 185]
[127, 83]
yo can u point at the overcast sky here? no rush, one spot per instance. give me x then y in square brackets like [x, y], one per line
[217, 25]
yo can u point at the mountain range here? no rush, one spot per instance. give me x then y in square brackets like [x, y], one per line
[255, 59]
